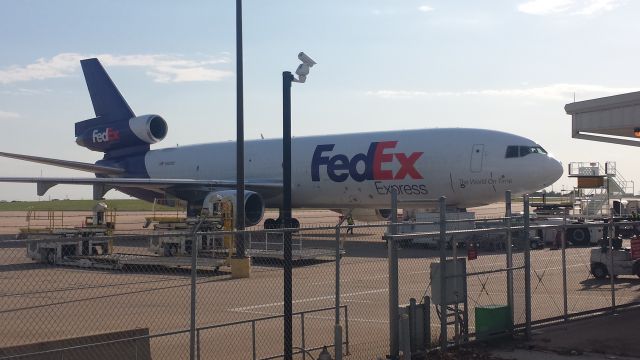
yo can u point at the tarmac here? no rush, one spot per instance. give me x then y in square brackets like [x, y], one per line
[604, 337]
[40, 302]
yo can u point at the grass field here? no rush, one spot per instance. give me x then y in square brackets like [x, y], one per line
[81, 205]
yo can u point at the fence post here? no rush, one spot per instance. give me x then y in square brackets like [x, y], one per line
[413, 321]
[346, 329]
[337, 334]
[443, 274]
[194, 274]
[507, 215]
[253, 339]
[392, 249]
[406, 337]
[426, 322]
[611, 268]
[198, 344]
[563, 239]
[303, 342]
[527, 267]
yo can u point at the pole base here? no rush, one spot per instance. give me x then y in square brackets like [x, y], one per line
[240, 267]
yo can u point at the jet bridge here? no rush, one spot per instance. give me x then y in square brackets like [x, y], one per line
[613, 119]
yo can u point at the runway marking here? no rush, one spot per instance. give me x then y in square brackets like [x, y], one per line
[245, 308]
[369, 278]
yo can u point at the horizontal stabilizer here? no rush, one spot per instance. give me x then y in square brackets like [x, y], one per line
[93, 168]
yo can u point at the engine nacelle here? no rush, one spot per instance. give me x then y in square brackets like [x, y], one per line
[253, 204]
[369, 215]
[149, 128]
[140, 130]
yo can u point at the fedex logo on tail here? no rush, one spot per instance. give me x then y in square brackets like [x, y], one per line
[340, 167]
[107, 135]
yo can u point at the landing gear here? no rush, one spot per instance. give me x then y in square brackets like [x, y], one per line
[578, 236]
[277, 224]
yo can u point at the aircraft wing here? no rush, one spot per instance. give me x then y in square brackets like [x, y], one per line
[76, 165]
[104, 184]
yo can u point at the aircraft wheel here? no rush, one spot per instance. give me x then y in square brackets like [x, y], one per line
[599, 271]
[295, 223]
[170, 250]
[578, 236]
[51, 257]
[269, 224]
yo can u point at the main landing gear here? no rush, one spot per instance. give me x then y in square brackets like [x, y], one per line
[277, 224]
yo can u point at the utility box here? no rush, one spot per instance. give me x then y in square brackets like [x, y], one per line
[456, 289]
[493, 321]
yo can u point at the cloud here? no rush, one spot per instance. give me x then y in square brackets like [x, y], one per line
[573, 7]
[8, 115]
[597, 6]
[425, 8]
[161, 68]
[545, 7]
[563, 92]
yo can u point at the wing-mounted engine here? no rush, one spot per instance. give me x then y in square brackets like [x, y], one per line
[97, 135]
[253, 204]
[369, 215]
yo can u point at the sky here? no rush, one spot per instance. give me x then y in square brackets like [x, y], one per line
[381, 65]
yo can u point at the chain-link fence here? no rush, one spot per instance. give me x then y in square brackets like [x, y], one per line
[132, 295]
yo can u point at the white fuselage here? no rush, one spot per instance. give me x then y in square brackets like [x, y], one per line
[468, 166]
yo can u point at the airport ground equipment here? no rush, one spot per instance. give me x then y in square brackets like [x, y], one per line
[597, 186]
[96, 252]
[450, 296]
[580, 231]
[101, 222]
[623, 263]
[164, 221]
[427, 222]
[415, 325]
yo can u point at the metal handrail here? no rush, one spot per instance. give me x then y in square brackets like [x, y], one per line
[185, 331]
[253, 331]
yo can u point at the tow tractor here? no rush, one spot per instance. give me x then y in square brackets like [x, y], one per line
[626, 261]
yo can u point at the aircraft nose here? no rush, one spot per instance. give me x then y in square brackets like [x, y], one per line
[554, 170]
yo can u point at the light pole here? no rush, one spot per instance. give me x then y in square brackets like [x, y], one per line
[287, 79]
[240, 253]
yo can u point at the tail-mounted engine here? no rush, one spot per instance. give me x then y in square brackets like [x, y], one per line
[97, 135]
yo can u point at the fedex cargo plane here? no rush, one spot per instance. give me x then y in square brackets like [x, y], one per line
[351, 172]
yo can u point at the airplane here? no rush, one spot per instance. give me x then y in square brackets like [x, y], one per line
[351, 173]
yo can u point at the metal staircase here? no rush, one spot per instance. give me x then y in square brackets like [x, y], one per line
[597, 185]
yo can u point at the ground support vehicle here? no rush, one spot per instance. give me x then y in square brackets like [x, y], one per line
[96, 252]
[623, 263]
[581, 232]
[55, 250]
[101, 222]
[428, 222]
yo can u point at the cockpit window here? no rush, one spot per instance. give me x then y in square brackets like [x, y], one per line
[512, 152]
[520, 151]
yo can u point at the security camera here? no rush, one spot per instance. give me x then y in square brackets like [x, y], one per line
[306, 59]
[302, 70]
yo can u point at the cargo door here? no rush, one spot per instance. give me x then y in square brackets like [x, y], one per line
[477, 155]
